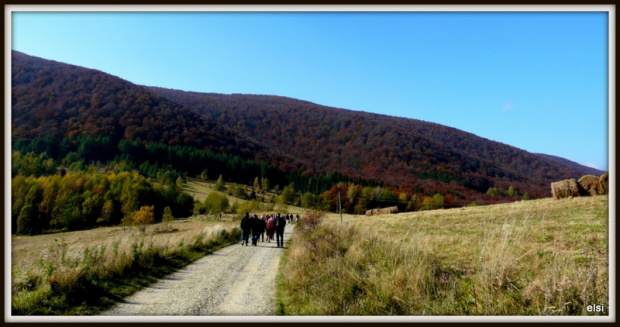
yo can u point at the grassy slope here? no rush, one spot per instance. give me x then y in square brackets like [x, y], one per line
[459, 236]
[201, 189]
[543, 257]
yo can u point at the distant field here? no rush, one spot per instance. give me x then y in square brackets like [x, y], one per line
[201, 189]
[540, 257]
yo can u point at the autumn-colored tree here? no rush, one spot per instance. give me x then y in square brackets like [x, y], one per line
[257, 188]
[144, 217]
[106, 212]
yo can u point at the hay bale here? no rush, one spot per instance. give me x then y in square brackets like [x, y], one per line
[565, 189]
[382, 211]
[604, 180]
[591, 185]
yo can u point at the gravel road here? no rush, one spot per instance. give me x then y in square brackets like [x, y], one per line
[233, 281]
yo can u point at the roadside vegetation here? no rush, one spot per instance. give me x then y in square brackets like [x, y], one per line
[542, 257]
[82, 273]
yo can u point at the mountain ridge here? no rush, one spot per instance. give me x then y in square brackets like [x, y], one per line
[52, 98]
[251, 114]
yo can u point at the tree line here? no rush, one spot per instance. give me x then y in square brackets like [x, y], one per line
[81, 182]
[89, 198]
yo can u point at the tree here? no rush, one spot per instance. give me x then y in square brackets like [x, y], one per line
[256, 185]
[144, 217]
[27, 220]
[309, 200]
[219, 185]
[287, 196]
[427, 203]
[184, 205]
[264, 184]
[179, 183]
[492, 191]
[167, 218]
[216, 203]
[106, 212]
[511, 191]
[239, 192]
[438, 201]
[403, 200]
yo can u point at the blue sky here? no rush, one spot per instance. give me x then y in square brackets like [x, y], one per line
[534, 80]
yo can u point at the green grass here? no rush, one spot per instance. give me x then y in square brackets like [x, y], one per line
[543, 257]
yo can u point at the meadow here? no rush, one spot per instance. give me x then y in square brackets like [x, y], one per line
[540, 257]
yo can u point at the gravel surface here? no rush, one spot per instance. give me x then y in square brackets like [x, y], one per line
[233, 281]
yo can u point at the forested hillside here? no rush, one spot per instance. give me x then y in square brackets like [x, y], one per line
[60, 100]
[407, 153]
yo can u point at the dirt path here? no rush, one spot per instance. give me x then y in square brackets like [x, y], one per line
[234, 281]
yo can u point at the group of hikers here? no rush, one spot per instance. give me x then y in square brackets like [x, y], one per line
[269, 224]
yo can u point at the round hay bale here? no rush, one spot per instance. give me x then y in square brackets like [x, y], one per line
[604, 180]
[591, 185]
[565, 189]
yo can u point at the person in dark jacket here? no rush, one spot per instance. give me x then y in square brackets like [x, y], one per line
[256, 229]
[246, 228]
[280, 224]
[263, 227]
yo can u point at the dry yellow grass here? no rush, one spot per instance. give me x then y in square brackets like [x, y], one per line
[27, 250]
[567, 226]
[542, 257]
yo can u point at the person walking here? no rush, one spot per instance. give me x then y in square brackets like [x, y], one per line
[246, 228]
[263, 227]
[256, 229]
[280, 224]
[271, 227]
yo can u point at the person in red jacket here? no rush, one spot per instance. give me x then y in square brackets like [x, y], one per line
[271, 227]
